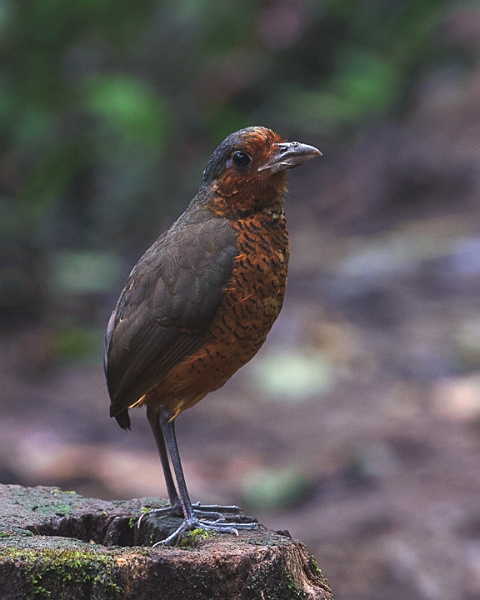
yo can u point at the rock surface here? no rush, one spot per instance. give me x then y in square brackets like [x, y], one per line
[57, 544]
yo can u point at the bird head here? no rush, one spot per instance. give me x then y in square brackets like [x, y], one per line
[248, 171]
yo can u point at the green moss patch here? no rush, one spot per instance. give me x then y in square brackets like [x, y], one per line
[59, 573]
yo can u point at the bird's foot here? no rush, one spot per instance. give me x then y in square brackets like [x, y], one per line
[220, 526]
[211, 512]
[210, 517]
[215, 512]
[174, 510]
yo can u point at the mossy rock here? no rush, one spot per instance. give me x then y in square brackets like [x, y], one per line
[59, 545]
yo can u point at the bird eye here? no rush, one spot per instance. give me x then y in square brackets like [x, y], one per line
[241, 159]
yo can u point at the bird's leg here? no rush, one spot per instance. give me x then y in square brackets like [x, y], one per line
[168, 429]
[175, 507]
[206, 511]
[191, 521]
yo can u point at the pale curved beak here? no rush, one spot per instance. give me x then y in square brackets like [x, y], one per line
[289, 155]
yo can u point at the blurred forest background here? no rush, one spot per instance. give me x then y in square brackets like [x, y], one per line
[357, 427]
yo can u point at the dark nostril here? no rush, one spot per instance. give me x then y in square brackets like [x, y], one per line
[288, 147]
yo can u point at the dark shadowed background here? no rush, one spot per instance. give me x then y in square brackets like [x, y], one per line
[357, 427]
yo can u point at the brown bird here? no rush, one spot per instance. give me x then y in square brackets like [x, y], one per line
[200, 302]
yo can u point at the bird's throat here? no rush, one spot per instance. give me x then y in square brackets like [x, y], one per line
[232, 201]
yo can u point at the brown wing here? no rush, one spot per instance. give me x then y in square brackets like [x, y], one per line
[167, 304]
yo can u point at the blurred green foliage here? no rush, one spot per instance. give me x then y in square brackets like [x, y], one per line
[109, 110]
[275, 489]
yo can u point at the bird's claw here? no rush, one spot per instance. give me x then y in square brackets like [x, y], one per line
[211, 512]
[172, 511]
[210, 517]
[219, 513]
[218, 508]
[219, 526]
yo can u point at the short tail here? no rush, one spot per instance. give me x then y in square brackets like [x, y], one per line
[123, 419]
